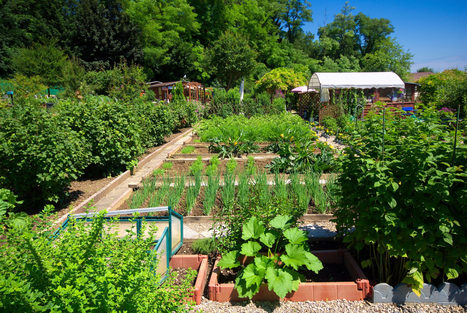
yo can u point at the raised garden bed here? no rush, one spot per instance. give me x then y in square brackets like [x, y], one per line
[200, 264]
[357, 288]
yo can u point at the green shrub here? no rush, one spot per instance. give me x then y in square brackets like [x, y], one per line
[330, 123]
[85, 269]
[39, 154]
[167, 165]
[8, 202]
[255, 129]
[204, 246]
[185, 113]
[154, 122]
[123, 82]
[406, 201]
[251, 107]
[197, 167]
[446, 89]
[111, 128]
[25, 87]
[277, 106]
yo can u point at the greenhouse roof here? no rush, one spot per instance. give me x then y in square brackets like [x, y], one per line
[365, 80]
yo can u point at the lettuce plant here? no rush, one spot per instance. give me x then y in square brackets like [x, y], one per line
[287, 253]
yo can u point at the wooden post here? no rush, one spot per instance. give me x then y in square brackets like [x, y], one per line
[204, 94]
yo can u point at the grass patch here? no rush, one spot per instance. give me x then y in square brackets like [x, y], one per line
[167, 165]
[187, 149]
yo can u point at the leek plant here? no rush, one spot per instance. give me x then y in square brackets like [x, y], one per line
[210, 193]
[243, 188]
[228, 191]
[280, 188]
[301, 193]
[193, 192]
[261, 184]
[316, 191]
[176, 192]
[160, 196]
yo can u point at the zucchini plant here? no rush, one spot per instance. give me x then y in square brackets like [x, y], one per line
[286, 253]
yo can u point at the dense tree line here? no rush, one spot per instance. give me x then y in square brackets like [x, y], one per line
[217, 42]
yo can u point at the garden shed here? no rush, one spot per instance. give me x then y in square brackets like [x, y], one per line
[370, 87]
[193, 91]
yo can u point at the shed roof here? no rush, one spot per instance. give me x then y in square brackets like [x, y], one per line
[359, 80]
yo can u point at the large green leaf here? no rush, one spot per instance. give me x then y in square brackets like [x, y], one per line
[415, 280]
[252, 229]
[313, 263]
[281, 221]
[268, 239]
[243, 290]
[295, 256]
[451, 273]
[253, 275]
[280, 281]
[229, 260]
[263, 262]
[295, 236]
[250, 248]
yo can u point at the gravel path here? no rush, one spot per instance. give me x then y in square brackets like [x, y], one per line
[338, 306]
[330, 140]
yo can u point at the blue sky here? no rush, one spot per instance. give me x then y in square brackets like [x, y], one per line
[435, 32]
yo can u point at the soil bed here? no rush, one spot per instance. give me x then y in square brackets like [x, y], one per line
[182, 274]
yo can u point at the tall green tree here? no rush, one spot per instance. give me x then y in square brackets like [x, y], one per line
[343, 31]
[45, 61]
[101, 34]
[388, 56]
[230, 58]
[168, 33]
[24, 22]
[213, 18]
[425, 69]
[284, 79]
[294, 14]
[371, 32]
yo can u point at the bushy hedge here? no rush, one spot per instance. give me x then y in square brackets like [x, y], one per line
[39, 154]
[447, 89]
[406, 202]
[117, 132]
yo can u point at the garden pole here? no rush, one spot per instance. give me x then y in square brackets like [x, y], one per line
[384, 129]
[455, 134]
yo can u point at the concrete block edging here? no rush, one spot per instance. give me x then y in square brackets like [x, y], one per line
[445, 294]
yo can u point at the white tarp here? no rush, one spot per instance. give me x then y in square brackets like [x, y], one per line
[365, 80]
